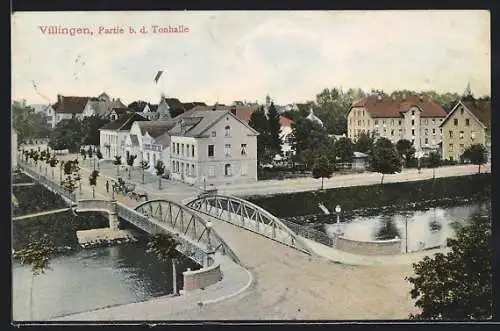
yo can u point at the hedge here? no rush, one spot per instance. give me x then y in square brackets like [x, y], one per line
[475, 187]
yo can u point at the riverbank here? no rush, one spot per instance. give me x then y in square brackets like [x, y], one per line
[374, 198]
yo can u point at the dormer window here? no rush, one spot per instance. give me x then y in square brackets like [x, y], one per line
[227, 131]
[455, 121]
[413, 112]
[214, 133]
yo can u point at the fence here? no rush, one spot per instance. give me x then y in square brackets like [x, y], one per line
[49, 184]
[309, 233]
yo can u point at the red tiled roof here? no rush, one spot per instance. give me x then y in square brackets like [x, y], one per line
[70, 105]
[285, 121]
[389, 107]
[480, 109]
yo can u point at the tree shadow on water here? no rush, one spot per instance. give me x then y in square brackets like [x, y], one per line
[387, 229]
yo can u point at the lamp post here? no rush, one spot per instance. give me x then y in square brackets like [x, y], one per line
[337, 211]
[204, 183]
[209, 242]
[406, 233]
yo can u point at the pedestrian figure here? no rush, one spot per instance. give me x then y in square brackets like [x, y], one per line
[107, 186]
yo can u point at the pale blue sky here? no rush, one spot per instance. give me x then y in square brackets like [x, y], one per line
[231, 55]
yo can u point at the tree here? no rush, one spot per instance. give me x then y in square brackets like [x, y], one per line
[307, 135]
[164, 247]
[130, 162]
[258, 122]
[98, 154]
[458, 285]
[37, 254]
[90, 153]
[117, 161]
[160, 170]
[322, 169]
[93, 181]
[405, 150]
[90, 129]
[144, 166]
[433, 162]
[344, 149]
[364, 143]
[67, 134]
[384, 158]
[53, 162]
[62, 166]
[28, 124]
[476, 154]
[137, 106]
[274, 130]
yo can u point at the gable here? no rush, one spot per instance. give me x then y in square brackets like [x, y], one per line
[235, 124]
[455, 112]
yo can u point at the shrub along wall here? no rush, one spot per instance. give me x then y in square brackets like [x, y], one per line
[474, 187]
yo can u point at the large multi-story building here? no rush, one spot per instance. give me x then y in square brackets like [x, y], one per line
[416, 118]
[213, 147]
[468, 123]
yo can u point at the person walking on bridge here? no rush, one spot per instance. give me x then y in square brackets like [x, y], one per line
[107, 186]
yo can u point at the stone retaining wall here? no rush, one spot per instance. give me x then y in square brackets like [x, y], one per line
[379, 247]
[202, 278]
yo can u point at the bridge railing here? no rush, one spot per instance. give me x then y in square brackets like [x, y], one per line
[49, 184]
[151, 225]
[107, 205]
[309, 233]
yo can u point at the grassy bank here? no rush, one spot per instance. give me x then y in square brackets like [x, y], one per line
[474, 187]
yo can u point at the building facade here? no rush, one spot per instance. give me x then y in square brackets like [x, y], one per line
[468, 123]
[213, 147]
[416, 118]
[112, 136]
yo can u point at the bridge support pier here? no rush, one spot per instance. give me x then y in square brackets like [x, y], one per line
[113, 218]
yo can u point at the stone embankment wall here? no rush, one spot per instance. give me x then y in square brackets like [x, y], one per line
[202, 278]
[379, 247]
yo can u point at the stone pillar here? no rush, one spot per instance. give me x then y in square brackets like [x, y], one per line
[113, 221]
[113, 217]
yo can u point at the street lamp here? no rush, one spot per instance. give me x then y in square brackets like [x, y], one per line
[209, 228]
[337, 211]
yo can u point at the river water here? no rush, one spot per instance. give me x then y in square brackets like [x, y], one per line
[85, 280]
[427, 228]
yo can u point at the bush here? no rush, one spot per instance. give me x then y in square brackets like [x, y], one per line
[476, 186]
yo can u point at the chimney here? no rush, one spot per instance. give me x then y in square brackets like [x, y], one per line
[393, 97]
[233, 111]
[421, 97]
[379, 97]
[59, 98]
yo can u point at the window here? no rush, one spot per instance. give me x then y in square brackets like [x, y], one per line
[193, 173]
[214, 133]
[173, 166]
[211, 171]
[412, 132]
[455, 121]
[462, 148]
[451, 148]
[173, 148]
[363, 113]
[461, 135]
[359, 122]
[392, 132]
[178, 149]
[472, 135]
[228, 131]
[243, 149]
[227, 150]
[210, 150]
[461, 111]
[392, 122]
[426, 140]
[182, 149]
[148, 156]
[413, 112]
[412, 122]
[433, 120]
[426, 131]
[451, 134]
[244, 169]
[192, 150]
[383, 122]
[376, 122]
[154, 159]
[467, 123]
[227, 170]
[433, 131]
[425, 121]
[368, 122]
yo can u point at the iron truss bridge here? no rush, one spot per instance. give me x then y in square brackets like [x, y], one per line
[249, 216]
